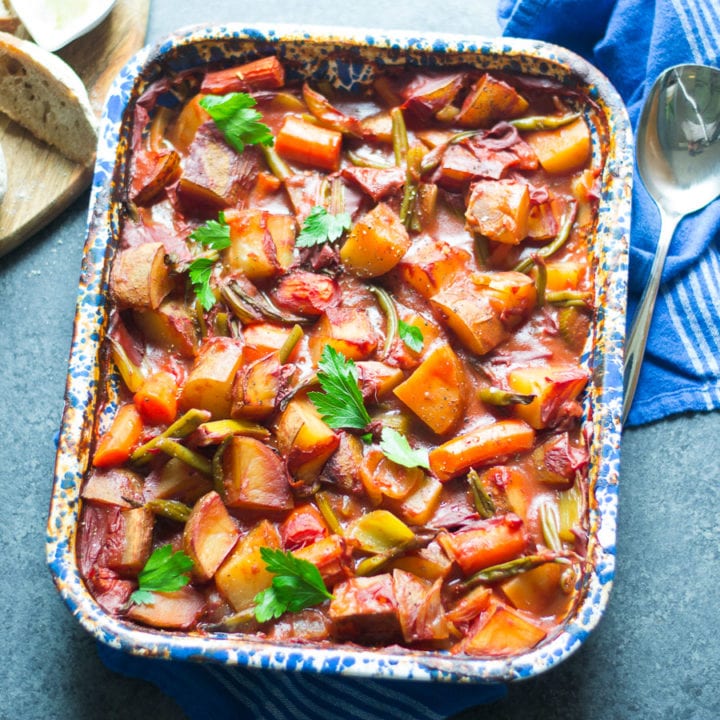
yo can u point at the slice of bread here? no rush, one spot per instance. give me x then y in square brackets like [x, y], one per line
[42, 93]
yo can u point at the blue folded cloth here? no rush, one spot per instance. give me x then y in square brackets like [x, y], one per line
[632, 42]
[231, 693]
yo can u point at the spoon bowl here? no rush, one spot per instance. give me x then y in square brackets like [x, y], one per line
[678, 155]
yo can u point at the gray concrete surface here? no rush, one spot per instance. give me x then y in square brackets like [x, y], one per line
[656, 653]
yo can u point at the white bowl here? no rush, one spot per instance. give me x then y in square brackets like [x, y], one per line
[55, 23]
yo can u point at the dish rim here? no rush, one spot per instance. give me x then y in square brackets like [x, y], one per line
[605, 395]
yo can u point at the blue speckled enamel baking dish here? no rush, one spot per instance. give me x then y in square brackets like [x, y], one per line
[347, 59]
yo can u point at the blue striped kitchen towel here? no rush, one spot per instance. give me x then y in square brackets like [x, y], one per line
[230, 693]
[632, 42]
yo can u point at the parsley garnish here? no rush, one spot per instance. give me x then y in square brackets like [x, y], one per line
[320, 226]
[214, 235]
[411, 335]
[341, 404]
[297, 585]
[165, 571]
[239, 123]
[396, 448]
[200, 271]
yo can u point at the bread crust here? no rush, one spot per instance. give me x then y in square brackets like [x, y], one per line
[42, 93]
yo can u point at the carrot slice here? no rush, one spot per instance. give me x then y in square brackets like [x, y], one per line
[156, 400]
[484, 445]
[309, 144]
[118, 442]
[264, 74]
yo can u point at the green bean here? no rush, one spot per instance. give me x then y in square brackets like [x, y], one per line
[483, 502]
[215, 431]
[200, 318]
[543, 122]
[291, 341]
[221, 324]
[170, 509]
[569, 298]
[130, 373]
[408, 206]
[505, 571]
[186, 455]
[399, 136]
[552, 247]
[541, 282]
[251, 308]
[328, 514]
[182, 427]
[387, 305]
[362, 161]
[503, 398]
[278, 167]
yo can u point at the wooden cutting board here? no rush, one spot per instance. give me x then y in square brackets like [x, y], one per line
[41, 182]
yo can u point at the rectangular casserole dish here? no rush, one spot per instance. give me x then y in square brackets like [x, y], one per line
[348, 59]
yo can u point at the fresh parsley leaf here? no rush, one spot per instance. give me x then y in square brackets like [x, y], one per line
[396, 448]
[296, 585]
[213, 234]
[320, 226]
[165, 571]
[239, 123]
[411, 335]
[341, 404]
[200, 271]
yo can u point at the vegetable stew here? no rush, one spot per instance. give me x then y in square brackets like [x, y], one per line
[343, 386]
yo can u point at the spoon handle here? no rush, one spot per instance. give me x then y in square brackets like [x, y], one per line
[635, 347]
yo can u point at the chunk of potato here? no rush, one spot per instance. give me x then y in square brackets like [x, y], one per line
[132, 542]
[182, 132]
[555, 387]
[209, 535]
[209, 384]
[490, 100]
[376, 243]
[176, 610]
[420, 505]
[348, 330]
[503, 632]
[364, 610]
[435, 391]
[262, 243]
[257, 386]
[170, 327]
[213, 173]
[140, 277]
[498, 209]
[563, 149]
[377, 379]
[431, 264]
[563, 275]
[243, 574]
[332, 556]
[254, 476]
[304, 440]
[481, 309]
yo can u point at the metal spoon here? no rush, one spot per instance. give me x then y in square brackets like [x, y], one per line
[678, 155]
